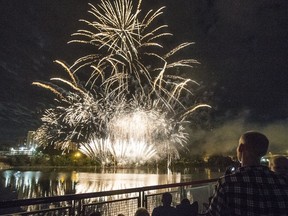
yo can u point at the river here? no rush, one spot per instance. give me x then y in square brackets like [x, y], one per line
[33, 183]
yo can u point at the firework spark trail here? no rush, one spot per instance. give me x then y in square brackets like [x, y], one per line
[131, 108]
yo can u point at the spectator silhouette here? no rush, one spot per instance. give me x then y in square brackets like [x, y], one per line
[142, 212]
[279, 164]
[187, 209]
[166, 209]
[253, 189]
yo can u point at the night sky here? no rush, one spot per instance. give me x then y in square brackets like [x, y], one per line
[242, 47]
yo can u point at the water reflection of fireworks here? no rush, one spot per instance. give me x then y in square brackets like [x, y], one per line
[132, 107]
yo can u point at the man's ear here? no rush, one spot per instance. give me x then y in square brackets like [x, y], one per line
[241, 147]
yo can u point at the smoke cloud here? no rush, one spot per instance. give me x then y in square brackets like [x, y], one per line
[223, 138]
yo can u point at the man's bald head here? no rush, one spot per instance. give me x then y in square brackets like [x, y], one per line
[256, 143]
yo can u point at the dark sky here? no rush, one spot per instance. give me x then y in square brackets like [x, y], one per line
[242, 47]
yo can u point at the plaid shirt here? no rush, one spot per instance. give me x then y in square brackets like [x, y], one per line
[250, 191]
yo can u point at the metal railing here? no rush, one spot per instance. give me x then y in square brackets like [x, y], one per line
[111, 203]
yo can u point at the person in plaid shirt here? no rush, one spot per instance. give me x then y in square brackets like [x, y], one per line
[252, 189]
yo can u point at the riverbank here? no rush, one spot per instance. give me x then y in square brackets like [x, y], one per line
[66, 162]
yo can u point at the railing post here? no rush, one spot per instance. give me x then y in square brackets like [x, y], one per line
[139, 199]
[144, 200]
[76, 208]
[73, 204]
[79, 209]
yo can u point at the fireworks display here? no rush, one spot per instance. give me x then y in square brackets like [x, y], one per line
[132, 107]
